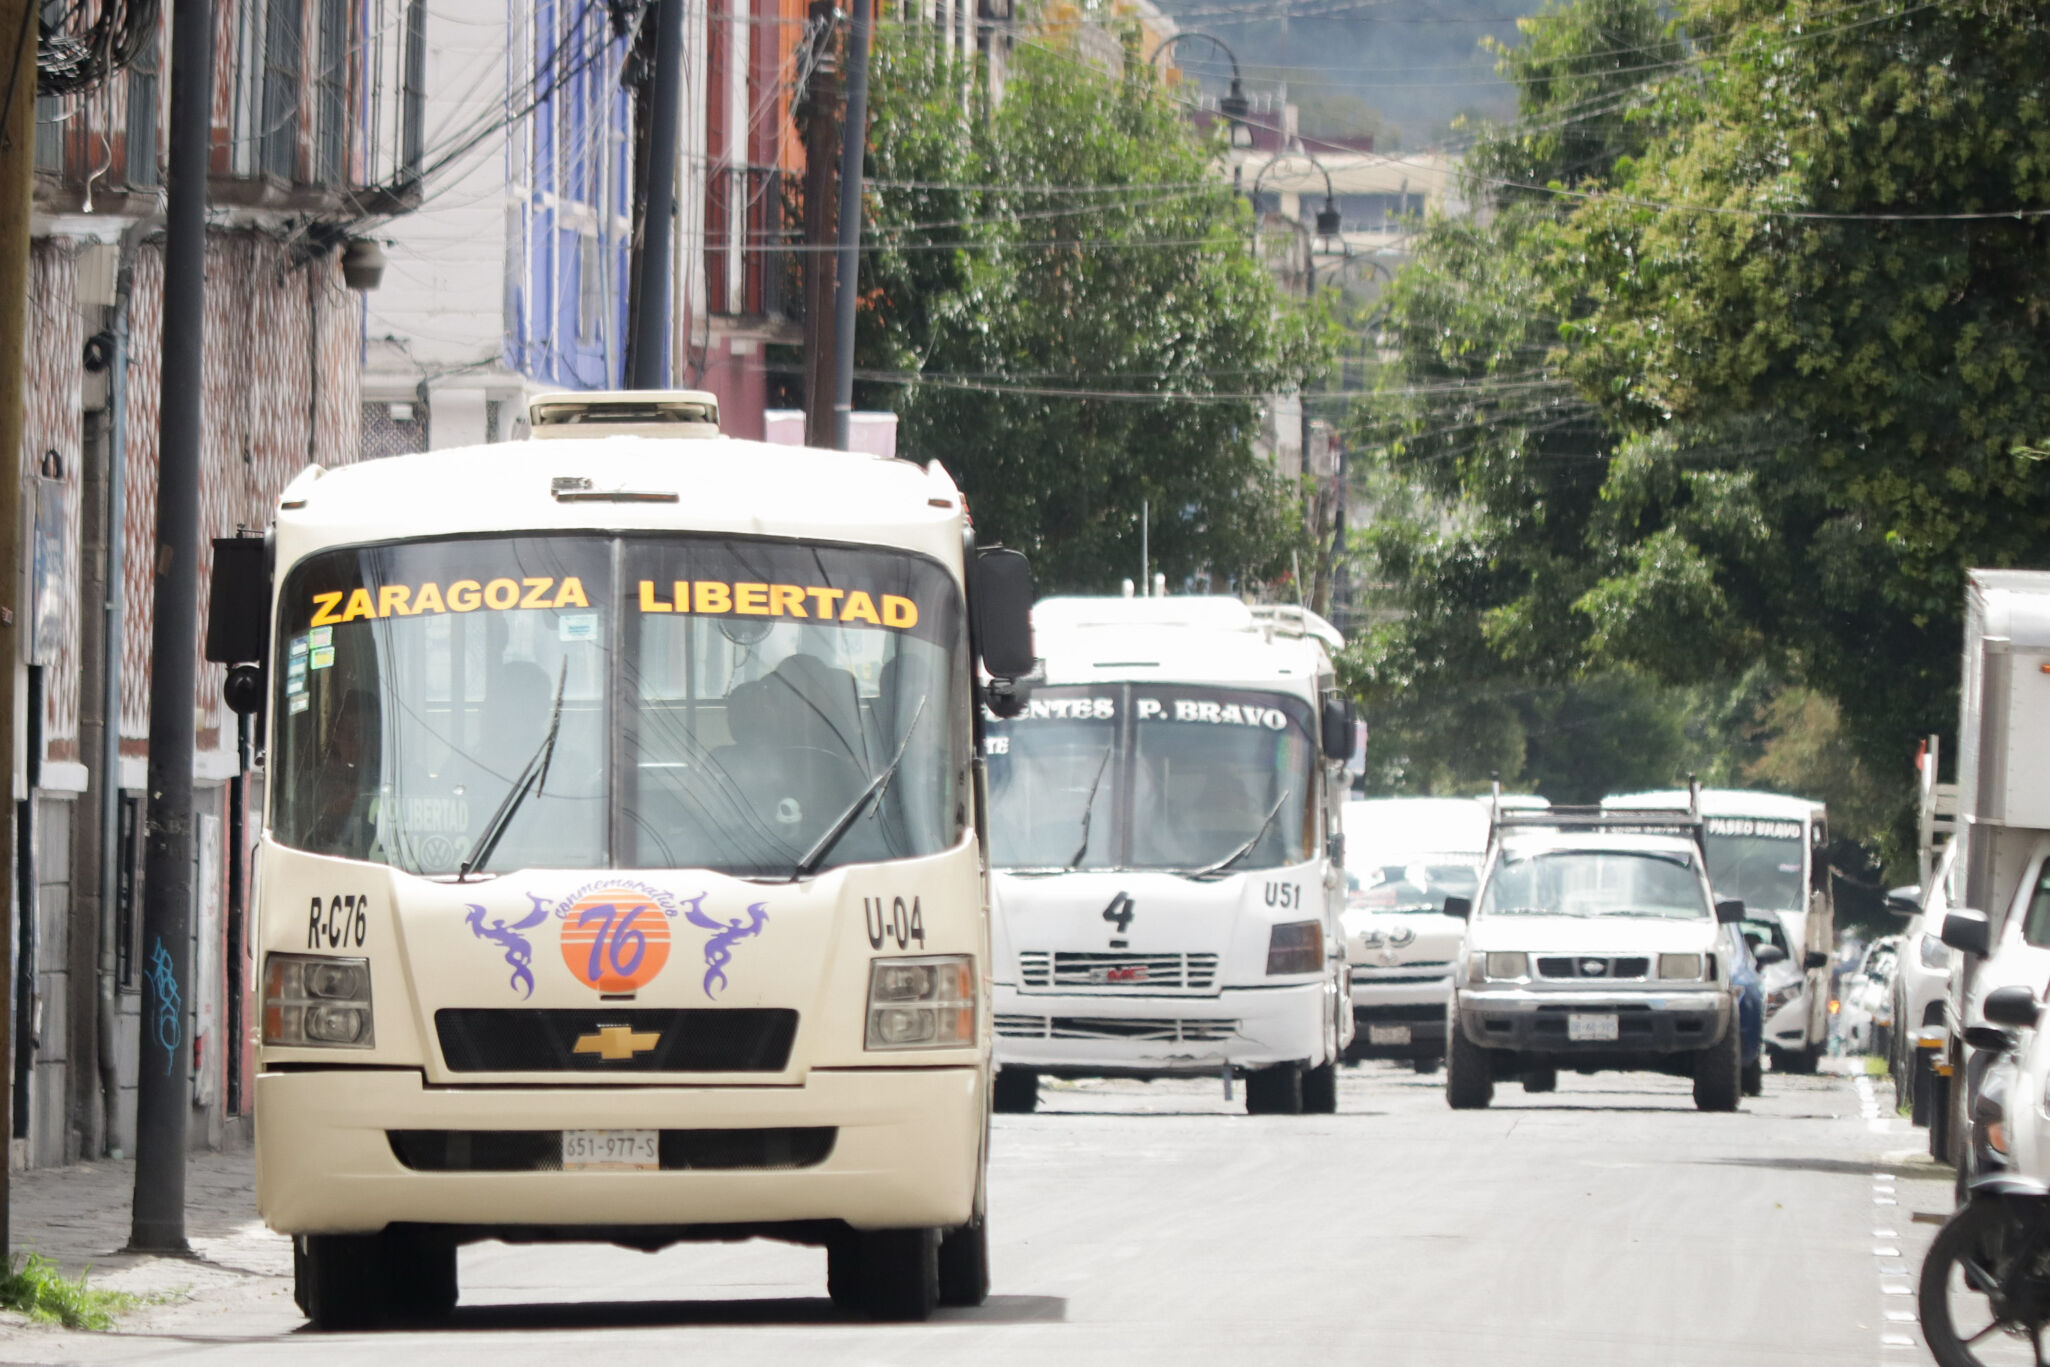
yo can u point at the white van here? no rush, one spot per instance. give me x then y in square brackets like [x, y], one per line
[1162, 816]
[1771, 852]
[1404, 856]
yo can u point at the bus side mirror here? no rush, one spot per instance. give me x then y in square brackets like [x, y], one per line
[1338, 718]
[1967, 931]
[1000, 617]
[238, 618]
[1729, 912]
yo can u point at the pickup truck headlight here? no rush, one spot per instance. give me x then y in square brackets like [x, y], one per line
[1499, 966]
[317, 1001]
[921, 1003]
[1296, 947]
[1684, 967]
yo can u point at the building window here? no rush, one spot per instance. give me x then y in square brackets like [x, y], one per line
[331, 93]
[279, 135]
[141, 168]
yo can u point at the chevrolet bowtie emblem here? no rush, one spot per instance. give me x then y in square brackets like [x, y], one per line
[616, 1042]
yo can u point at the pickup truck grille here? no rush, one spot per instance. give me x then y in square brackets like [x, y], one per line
[1044, 968]
[1594, 967]
[532, 1040]
[1162, 1029]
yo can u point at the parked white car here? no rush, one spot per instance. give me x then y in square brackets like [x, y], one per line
[1595, 944]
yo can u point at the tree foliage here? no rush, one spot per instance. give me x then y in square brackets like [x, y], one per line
[1066, 291]
[1749, 361]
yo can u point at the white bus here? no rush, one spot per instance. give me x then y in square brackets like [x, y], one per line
[621, 877]
[1771, 852]
[1162, 818]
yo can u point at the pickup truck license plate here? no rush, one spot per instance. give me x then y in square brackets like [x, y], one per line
[1388, 1034]
[611, 1151]
[1591, 1026]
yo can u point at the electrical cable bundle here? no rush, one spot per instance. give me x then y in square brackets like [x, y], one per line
[69, 62]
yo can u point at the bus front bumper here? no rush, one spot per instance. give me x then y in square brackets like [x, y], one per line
[1077, 1035]
[904, 1154]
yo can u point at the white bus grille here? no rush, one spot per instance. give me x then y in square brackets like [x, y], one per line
[1043, 968]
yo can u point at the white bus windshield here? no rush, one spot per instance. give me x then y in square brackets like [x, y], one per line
[1758, 862]
[1168, 777]
[499, 703]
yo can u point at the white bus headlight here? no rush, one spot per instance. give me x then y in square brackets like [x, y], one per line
[1686, 967]
[1296, 947]
[924, 1003]
[316, 1001]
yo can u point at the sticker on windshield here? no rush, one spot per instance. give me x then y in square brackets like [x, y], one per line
[320, 636]
[299, 703]
[577, 626]
[324, 658]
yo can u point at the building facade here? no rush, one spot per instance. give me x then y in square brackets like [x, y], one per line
[311, 135]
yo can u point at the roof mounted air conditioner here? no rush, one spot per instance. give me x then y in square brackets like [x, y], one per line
[624, 413]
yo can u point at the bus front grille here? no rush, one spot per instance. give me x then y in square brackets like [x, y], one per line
[1154, 1029]
[1171, 972]
[677, 1150]
[534, 1040]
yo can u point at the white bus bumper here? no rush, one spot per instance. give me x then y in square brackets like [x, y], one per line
[1161, 1036]
[905, 1153]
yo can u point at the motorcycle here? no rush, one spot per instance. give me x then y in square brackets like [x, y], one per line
[1986, 1279]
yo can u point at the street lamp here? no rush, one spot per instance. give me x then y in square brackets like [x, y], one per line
[1235, 107]
[1329, 220]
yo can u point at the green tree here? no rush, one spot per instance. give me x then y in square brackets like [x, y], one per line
[1076, 321]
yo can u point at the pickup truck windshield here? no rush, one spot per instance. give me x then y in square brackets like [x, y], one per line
[1596, 883]
[1171, 777]
[718, 709]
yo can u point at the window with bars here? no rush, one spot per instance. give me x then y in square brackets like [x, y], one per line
[140, 163]
[278, 135]
[331, 94]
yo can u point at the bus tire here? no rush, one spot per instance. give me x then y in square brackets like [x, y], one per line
[1469, 1073]
[1320, 1090]
[1015, 1091]
[964, 1263]
[1275, 1091]
[1717, 1070]
[339, 1280]
[886, 1274]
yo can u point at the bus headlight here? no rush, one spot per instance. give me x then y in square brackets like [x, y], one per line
[922, 1003]
[317, 1001]
[1296, 947]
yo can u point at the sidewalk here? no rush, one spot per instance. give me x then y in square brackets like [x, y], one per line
[78, 1217]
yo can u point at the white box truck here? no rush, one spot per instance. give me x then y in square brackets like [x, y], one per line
[2002, 922]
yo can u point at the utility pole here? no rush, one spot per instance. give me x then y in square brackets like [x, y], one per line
[853, 144]
[17, 190]
[822, 106]
[164, 1096]
[648, 352]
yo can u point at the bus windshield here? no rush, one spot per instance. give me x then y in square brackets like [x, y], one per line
[1145, 776]
[499, 703]
[1758, 862]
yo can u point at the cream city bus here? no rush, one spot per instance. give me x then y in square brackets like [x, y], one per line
[622, 873]
[1164, 830]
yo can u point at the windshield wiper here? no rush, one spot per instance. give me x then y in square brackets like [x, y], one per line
[1242, 851]
[530, 780]
[846, 819]
[1089, 805]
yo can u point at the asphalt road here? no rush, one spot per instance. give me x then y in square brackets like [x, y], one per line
[1606, 1223]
